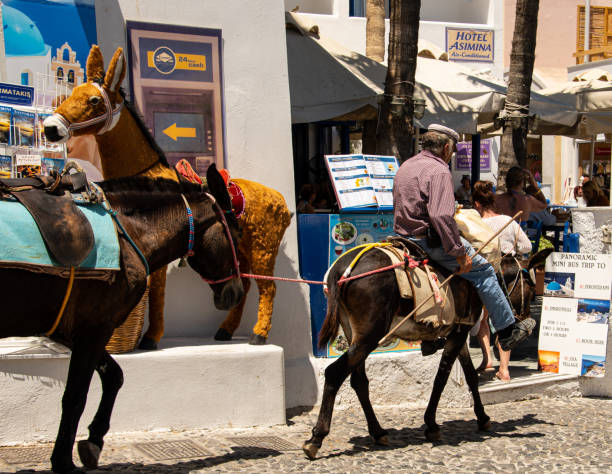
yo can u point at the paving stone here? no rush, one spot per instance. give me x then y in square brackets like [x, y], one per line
[532, 436]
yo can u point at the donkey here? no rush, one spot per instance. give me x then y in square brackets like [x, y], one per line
[155, 229]
[368, 307]
[127, 148]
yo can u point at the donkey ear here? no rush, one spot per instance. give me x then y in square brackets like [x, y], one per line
[116, 72]
[217, 187]
[539, 259]
[95, 64]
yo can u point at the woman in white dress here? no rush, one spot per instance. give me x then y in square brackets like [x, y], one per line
[512, 241]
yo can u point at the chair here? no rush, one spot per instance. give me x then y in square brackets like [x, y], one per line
[534, 232]
[571, 240]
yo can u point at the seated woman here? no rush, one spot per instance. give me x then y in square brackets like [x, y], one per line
[594, 195]
[511, 240]
[515, 199]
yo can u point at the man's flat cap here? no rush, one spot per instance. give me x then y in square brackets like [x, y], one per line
[434, 127]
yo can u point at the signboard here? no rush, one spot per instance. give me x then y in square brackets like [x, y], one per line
[349, 231]
[469, 45]
[176, 80]
[16, 95]
[463, 157]
[575, 314]
[362, 181]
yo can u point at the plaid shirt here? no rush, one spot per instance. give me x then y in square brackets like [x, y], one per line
[423, 196]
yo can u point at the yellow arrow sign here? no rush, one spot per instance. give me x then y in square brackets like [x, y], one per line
[175, 132]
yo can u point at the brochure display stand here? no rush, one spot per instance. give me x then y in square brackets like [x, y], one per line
[24, 150]
[362, 183]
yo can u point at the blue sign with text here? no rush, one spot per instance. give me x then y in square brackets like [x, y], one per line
[17, 95]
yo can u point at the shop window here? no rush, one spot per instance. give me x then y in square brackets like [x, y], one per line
[60, 74]
[358, 8]
[71, 77]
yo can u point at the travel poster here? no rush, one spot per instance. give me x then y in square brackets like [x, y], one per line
[6, 166]
[362, 181]
[27, 165]
[346, 232]
[578, 275]
[23, 128]
[573, 335]
[6, 114]
[575, 314]
[50, 165]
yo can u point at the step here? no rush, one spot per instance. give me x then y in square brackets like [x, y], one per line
[187, 384]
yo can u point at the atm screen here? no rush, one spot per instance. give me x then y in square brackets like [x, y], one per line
[180, 132]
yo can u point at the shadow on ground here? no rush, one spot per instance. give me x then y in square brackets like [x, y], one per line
[454, 433]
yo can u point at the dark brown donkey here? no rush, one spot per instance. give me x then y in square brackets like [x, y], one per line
[155, 216]
[368, 307]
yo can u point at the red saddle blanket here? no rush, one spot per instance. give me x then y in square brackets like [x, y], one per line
[184, 168]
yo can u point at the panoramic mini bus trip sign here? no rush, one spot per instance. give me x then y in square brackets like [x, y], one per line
[469, 45]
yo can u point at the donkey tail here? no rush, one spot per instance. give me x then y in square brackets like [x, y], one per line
[332, 318]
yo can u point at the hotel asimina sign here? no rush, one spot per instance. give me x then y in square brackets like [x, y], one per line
[469, 45]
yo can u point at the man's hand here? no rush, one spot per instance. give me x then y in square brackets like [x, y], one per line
[465, 263]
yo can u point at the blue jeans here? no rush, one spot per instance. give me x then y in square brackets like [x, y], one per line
[481, 276]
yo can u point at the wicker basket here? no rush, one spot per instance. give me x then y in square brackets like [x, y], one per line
[125, 337]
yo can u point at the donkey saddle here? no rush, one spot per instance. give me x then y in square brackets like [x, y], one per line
[64, 228]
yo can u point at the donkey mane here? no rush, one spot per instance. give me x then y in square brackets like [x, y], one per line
[143, 128]
[145, 193]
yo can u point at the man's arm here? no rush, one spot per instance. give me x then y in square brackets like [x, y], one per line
[441, 210]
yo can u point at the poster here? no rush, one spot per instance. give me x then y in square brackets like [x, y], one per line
[362, 181]
[578, 275]
[176, 81]
[46, 44]
[463, 157]
[575, 314]
[346, 232]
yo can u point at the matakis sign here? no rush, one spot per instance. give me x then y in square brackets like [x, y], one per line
[469, 45]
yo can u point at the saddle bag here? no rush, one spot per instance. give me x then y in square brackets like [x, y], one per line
[64, 228]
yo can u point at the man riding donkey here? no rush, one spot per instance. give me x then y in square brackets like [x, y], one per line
[424, 209]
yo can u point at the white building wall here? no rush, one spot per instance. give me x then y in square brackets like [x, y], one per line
[334, 21]
[15, 65]
[258, 146]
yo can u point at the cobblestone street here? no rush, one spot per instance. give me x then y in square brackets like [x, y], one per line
[542, 435]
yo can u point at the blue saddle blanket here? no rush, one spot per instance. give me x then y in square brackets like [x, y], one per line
[21, 242]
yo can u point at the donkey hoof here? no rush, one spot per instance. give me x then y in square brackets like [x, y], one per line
[310, 450]
[257, 340]
[484, 425]
[432, 436]
[89, 453]
[223, 335]
[383, 440]
[147, 344]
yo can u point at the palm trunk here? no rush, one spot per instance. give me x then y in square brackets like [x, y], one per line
[514, 140]
[375, 49]
[395, 130]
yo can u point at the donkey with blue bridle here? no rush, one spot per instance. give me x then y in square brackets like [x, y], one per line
[157, 222]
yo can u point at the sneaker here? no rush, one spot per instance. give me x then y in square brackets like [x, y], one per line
[520, 331]
[431, 347]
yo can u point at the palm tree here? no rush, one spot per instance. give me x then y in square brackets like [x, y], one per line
[375, 30]
[395, 129]
[375, 49]
[514, 139]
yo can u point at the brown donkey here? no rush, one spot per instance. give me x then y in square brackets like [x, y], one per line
[368, 307]
[128, 149]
